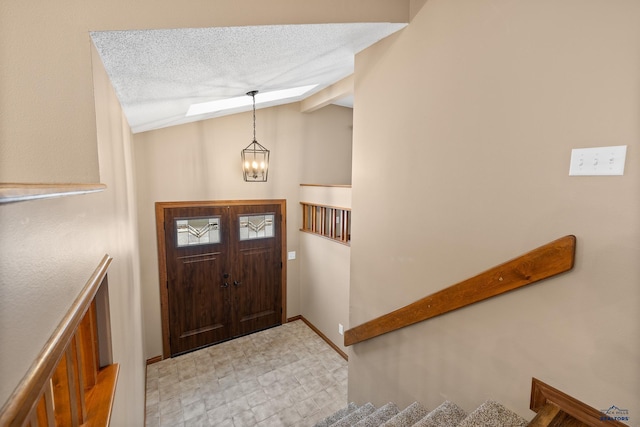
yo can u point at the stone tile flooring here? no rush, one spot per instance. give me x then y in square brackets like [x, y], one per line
[284, 376]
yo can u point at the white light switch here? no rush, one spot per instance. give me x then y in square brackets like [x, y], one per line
[598, 161]
[291, 255]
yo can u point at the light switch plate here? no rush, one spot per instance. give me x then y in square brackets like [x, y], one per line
[291, 255]
[598, 161]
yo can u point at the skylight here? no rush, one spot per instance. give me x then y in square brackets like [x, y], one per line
[243, 101]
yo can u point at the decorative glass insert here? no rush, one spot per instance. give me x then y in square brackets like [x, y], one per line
[257, 226]
[198, 231]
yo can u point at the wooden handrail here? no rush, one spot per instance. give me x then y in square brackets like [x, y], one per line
[58, 366]
[541, 263]
[556, 408]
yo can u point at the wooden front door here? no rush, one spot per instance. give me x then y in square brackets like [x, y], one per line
[222, 270]
[256, 268]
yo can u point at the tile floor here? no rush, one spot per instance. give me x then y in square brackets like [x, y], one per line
[284, 376]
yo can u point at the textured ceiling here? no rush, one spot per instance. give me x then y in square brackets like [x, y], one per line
[158, 74]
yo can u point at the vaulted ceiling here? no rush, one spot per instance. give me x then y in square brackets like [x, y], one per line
[159, 74]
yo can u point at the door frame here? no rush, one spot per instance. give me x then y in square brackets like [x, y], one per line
[162, 255]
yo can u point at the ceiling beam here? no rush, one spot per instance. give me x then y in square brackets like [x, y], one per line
[326, 96]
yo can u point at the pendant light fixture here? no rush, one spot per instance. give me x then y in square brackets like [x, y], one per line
[255, 158]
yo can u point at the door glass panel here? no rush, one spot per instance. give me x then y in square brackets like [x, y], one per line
[256, 226]
[198, 231]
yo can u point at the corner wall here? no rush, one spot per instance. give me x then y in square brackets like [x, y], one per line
[50, 248]
[325, 269]
[468, 117]
[121, 235]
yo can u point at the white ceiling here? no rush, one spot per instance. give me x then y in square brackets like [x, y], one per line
[158, 74]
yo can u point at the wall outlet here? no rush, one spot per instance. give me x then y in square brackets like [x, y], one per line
[340, 329]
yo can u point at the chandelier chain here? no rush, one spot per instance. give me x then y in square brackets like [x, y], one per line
[253, 95]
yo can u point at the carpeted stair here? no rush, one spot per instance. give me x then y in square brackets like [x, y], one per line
[381, 415]
[335, 417]
[359, 414]
[448, 414]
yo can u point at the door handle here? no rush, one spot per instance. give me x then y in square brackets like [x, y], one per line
[236, 283]
[225, 284]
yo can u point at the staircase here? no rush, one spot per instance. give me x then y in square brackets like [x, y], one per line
[448, 414]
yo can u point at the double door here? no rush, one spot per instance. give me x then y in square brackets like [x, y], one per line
[223, 267]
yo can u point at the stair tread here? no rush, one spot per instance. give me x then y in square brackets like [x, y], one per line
[341, 413]
[408, 416]
[493, 414]
[379, 416]
[448, 414]
[355, 416]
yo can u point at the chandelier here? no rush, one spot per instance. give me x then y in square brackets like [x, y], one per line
[255, 158]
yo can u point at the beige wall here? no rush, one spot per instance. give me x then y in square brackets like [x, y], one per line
[48, 120]
[121, 234]
[201, 161]
[50, 248]
[324, 290]
[324, 269]
[463, 128]
[49, 133]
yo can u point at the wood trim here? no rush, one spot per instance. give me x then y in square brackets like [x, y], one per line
[324, 206]
[104, 353]
[543, 394]
[329, 186]
[16, 192]
[218, 203]
[320, 334]
[541, 263]
[62, 393]
[284, 258]
[26, 395]
[48, 413]
[311, 224]
[89, 346]
[154, 360]
[100, 398]
[162, 256]
[162, 279]
[545, 416]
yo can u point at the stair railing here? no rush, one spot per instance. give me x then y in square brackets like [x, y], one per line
[67, 385]
[556, 408]
[541, 263]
